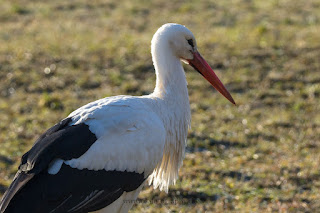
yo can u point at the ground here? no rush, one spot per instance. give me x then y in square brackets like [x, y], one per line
[262, 155]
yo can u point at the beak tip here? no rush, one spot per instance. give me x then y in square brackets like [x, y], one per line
[229, 97]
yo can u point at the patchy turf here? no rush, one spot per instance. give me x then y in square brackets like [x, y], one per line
[262, 155]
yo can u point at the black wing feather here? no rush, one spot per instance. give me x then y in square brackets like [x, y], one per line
[34, 190]
[40, 155]
[65, 190]
[60, 141]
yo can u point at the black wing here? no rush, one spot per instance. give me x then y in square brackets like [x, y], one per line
[70, 190]
[73, 190]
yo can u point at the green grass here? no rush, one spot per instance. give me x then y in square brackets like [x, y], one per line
[261, 156]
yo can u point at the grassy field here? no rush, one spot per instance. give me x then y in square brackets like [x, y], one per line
[261, 156]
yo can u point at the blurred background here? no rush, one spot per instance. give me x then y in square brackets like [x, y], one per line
[262, 155]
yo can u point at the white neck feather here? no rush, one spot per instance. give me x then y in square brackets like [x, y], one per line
[173, 107]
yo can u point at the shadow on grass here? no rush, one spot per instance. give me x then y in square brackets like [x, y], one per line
[180, 196]
[6, 160]
[227, 144]
[240, 176]
[204, 143]
[3, 188]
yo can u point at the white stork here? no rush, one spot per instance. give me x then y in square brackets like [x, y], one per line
[100, 156]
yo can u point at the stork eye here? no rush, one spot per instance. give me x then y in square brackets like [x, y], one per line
[190, 41]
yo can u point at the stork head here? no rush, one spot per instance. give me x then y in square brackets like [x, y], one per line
[183, 45]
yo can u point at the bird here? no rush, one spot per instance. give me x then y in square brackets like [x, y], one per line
[99, 157]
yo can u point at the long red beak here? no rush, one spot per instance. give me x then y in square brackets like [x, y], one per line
[199, 64]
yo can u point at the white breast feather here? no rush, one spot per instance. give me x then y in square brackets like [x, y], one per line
[130, 136]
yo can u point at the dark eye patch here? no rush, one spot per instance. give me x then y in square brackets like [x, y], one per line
[190, 41]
